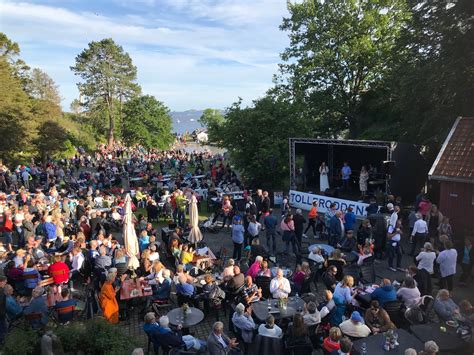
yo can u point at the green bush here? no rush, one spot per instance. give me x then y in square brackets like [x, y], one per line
[95, 336]
[22, 342]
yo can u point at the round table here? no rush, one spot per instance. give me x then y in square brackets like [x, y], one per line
[326, 247]
[176, 317]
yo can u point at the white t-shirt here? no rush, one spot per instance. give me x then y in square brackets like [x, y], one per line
[275, 332]
[426, 260]
[396, 237]
[409, 296]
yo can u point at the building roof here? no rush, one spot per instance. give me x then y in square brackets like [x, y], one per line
[455, 160]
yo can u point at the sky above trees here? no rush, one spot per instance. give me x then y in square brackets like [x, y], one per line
[189, 53]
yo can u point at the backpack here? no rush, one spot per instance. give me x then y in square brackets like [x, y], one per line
[216, 295]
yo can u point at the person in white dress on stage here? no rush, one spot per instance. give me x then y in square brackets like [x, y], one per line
[323, 177]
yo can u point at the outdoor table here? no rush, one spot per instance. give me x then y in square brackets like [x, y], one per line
[193, 318]
[202, 261]
[375, 343]
[326, 247]
[134, 289]
[364, 295]
[261, 309]
[448, 341]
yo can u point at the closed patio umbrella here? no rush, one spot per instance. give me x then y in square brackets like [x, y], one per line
[130, 236]
[195, 235]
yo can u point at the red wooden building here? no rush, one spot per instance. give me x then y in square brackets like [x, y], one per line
[453, 169]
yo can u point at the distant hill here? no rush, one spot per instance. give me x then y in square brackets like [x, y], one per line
[186, 120]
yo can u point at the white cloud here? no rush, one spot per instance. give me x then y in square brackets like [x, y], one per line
[202, 53]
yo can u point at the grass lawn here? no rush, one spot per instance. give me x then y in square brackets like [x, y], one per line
[203, 215]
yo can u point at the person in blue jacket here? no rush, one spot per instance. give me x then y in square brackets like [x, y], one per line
[349, 219]
[385, 293]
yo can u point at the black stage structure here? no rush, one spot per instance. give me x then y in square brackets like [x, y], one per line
[401, 169]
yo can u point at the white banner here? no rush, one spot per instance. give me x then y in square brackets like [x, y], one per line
[277, 198]
[304, 201]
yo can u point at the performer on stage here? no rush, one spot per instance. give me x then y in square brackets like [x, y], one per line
[346, 173]
[363, 178]
[323, 177]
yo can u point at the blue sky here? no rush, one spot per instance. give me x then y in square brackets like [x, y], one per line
[190, 54]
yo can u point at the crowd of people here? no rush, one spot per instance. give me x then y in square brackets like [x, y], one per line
[62, 234]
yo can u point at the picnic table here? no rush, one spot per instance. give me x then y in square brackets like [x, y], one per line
[135, 289]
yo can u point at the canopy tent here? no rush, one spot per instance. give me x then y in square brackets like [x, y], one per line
[130, 236]
[195, 235]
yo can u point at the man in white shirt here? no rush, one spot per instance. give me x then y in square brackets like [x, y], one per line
[354, 327]
[419, 233]
[280, 286]
[270, 329]
[394, 214]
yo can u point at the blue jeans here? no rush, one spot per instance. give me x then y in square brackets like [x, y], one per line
[394, 252]
[3, 330]
[190, 341]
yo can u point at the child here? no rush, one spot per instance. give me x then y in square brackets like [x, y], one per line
[331, 343]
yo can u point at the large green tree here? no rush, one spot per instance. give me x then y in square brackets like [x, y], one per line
[338, 50]
[147, 122]
[213, 120]
[256, 138]
[42, 87]
[108, 75]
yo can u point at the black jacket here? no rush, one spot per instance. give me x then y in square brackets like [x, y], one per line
[299, 222]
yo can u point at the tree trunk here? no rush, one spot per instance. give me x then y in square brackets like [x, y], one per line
[110, 143]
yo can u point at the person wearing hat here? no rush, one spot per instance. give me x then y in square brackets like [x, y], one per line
[354, 327]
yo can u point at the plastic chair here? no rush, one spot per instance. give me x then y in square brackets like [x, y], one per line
[367, 272]
[263, 345]
[394, 309]
[156, 347]
[34, 320]
[299, 349]
[263, 282]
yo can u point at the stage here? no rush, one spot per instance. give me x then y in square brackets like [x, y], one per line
[394, 168]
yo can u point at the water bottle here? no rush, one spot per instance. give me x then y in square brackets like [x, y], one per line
[363, 349]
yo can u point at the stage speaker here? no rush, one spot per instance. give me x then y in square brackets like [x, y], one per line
[388, 167]
[333, 192]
